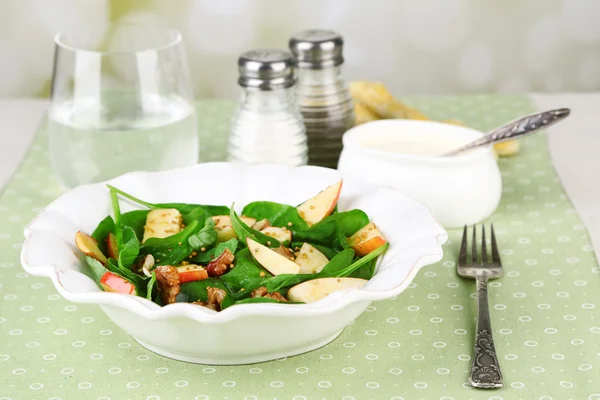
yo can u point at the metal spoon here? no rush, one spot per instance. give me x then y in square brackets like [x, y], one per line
[516, 129]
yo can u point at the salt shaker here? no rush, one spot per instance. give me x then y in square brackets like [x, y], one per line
[267, 126]
[323, 96]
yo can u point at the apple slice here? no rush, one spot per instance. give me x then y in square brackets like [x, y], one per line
[225, 233]
[191, 273]
[248, 220]
[262, 224]
[366, 240]
[280, 234]
[316, 289]
[162, 223]
[274, 262]
[89, 246]
[310, 259]
[111, 246]
[222, 221]
[114, 283]
[284, 251]
[315, 209]
[224, 229]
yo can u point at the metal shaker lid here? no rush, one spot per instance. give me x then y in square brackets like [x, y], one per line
[317, 48]
[266, 69]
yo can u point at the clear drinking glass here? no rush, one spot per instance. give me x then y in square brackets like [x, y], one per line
[125, 109]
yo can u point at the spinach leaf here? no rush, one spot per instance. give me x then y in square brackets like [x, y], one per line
[361, 261]
[136, 220]
[204, 257]
[131, 248]
[243, 231]
[172, 249]
[106, 226]
[118, 222]
[245, 275]
[342, 260]
[215, 252]
[341, 241]
[138, 281]
[196, 291]
[277, 214]
[279, 282]
[130, 197]
[339, 262]
[151, 286]
[351, 221]
[333, 230]
[198, 213]
[231, 244]
[185, 208]
[189, 212]
[366, 271]
[228, 301]
[98, 270]
[206, 237]
[323, 232]
[330, 228]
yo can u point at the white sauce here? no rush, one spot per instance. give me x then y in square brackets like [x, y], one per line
[412, 147]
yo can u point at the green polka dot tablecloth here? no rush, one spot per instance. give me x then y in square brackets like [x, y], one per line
[415, 346]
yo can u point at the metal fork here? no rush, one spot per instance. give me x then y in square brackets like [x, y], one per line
[485, 370]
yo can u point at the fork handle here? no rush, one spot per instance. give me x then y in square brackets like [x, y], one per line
[485, 371]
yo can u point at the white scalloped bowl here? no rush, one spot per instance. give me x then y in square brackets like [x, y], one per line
[244, 333]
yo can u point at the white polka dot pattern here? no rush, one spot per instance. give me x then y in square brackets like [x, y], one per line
[415, 346]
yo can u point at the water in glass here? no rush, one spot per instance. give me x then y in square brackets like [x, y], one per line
[121, 111]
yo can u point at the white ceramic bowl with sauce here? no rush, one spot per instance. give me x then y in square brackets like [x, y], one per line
[404, 154]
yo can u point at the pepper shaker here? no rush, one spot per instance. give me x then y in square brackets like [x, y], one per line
[323, 96]
[267, 127]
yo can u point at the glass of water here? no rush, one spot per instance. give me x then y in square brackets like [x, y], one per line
[125, 109]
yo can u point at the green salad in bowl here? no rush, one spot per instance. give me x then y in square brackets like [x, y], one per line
[210, 256]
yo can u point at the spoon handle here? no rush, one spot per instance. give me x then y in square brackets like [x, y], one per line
[517, 129]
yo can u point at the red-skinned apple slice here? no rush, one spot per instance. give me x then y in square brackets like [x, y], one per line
[315, 209]
[272, 261]
[111, 246]
[366, 240]
[280, 234]
[114, 283]
[89, 246]
[191, 273]
[310, 259]
[316, 289]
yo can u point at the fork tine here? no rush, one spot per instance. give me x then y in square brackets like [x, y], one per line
[484, 255]
[463, 257]
[474, 245]
[495, 253]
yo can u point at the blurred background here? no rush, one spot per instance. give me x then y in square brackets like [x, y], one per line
[413, 46]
